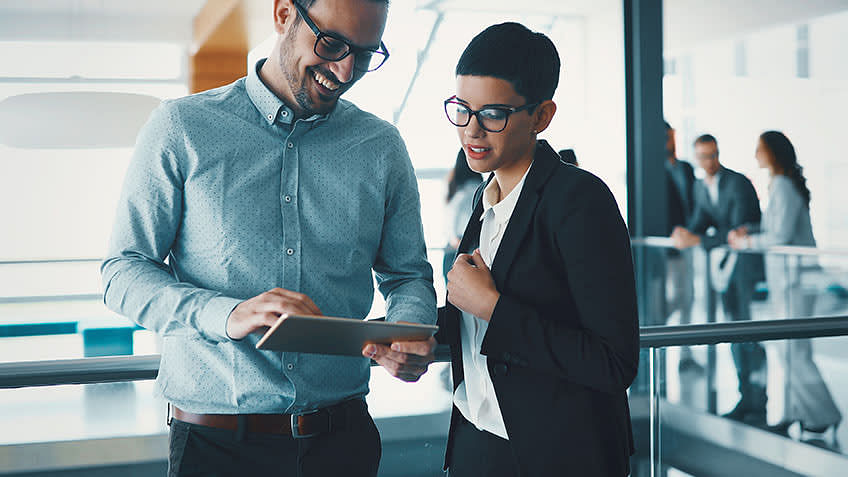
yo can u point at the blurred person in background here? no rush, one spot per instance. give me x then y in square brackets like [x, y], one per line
[462, 184]
[726, 200]
[677, 291]
[786, 221]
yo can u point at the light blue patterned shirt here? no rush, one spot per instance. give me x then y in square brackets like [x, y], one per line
[240, 199]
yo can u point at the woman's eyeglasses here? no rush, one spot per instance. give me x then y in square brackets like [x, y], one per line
[491, 118]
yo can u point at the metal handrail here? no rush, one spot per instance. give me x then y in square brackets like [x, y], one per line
[652, 241]
[44, 261]
[135, 368]
[743, 331]
[665, 242]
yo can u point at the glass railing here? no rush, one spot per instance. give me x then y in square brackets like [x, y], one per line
[722, 284]
[782, 417]
[104, 391]
[110, 400]
[53, 309]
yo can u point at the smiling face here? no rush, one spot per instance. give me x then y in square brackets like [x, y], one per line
[313, 83]
[514, 146]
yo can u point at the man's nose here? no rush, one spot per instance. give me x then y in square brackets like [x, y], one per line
[343, 69]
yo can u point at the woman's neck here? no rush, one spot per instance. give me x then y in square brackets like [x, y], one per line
[509, 177]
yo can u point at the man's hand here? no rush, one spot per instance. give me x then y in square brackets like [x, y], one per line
[471, 287]
[683, 238]
[262, 311]
[405, 360]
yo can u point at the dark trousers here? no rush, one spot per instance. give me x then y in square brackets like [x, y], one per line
[479, 453]
[205, 451]
[749, 358]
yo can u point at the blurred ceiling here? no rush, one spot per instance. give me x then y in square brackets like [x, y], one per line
[98, 20]
[689, 22]
[686, 21]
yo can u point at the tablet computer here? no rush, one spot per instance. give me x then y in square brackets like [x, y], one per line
[338, 336]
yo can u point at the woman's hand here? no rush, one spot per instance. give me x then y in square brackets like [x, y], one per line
[738, 238]
[471, 287]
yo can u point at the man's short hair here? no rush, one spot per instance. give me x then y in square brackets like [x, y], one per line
[706, 139]
[510, 51]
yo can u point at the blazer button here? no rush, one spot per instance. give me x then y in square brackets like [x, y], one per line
[500, 369]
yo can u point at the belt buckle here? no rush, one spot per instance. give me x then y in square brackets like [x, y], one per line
[295, 427]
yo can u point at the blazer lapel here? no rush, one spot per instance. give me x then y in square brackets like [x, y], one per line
[471, 236]
[545, 161]
[470, 239]
[724, 195]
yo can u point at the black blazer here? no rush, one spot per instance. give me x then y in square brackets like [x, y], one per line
[563, 341]
[737, 205]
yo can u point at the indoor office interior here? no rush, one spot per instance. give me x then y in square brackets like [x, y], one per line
[78, 79]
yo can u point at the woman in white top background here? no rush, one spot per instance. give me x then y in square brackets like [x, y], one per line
[786, 221]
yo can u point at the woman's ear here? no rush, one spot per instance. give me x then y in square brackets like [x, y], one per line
[543, 115]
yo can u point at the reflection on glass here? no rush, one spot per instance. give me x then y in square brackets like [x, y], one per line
[804, 411]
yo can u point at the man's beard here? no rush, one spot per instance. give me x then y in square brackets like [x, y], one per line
[299, 85]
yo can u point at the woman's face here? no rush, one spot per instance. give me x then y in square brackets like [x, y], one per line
[765, 159]
[487, 151]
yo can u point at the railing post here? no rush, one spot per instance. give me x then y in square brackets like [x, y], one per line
[710, 297]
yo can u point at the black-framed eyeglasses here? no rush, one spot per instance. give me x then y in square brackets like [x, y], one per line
[332, 48]
[492, 118]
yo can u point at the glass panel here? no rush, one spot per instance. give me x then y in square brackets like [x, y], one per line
[741, 72]
[696, 286]
[778, 405]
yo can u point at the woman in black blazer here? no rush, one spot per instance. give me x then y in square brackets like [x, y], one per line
[542, 292]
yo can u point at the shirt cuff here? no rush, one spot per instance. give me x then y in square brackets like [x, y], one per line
[212, 320]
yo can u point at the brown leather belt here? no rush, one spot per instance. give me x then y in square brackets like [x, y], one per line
[299, 426]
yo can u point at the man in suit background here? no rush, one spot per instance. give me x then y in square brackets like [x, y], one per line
[724, 200]
[678, 289]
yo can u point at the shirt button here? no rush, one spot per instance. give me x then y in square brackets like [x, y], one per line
[288, 198]
[290, 366]
[290, 145]
[285, 113]
[290, 252]
[270, 116]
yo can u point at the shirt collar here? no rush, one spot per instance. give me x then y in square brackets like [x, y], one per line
[716, 179]
[269, 105]
[503, 209]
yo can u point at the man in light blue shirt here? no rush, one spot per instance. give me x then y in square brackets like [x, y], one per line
[264, 197]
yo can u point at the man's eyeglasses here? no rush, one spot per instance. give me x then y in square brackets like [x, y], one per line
[332, 48]
[491, 118]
